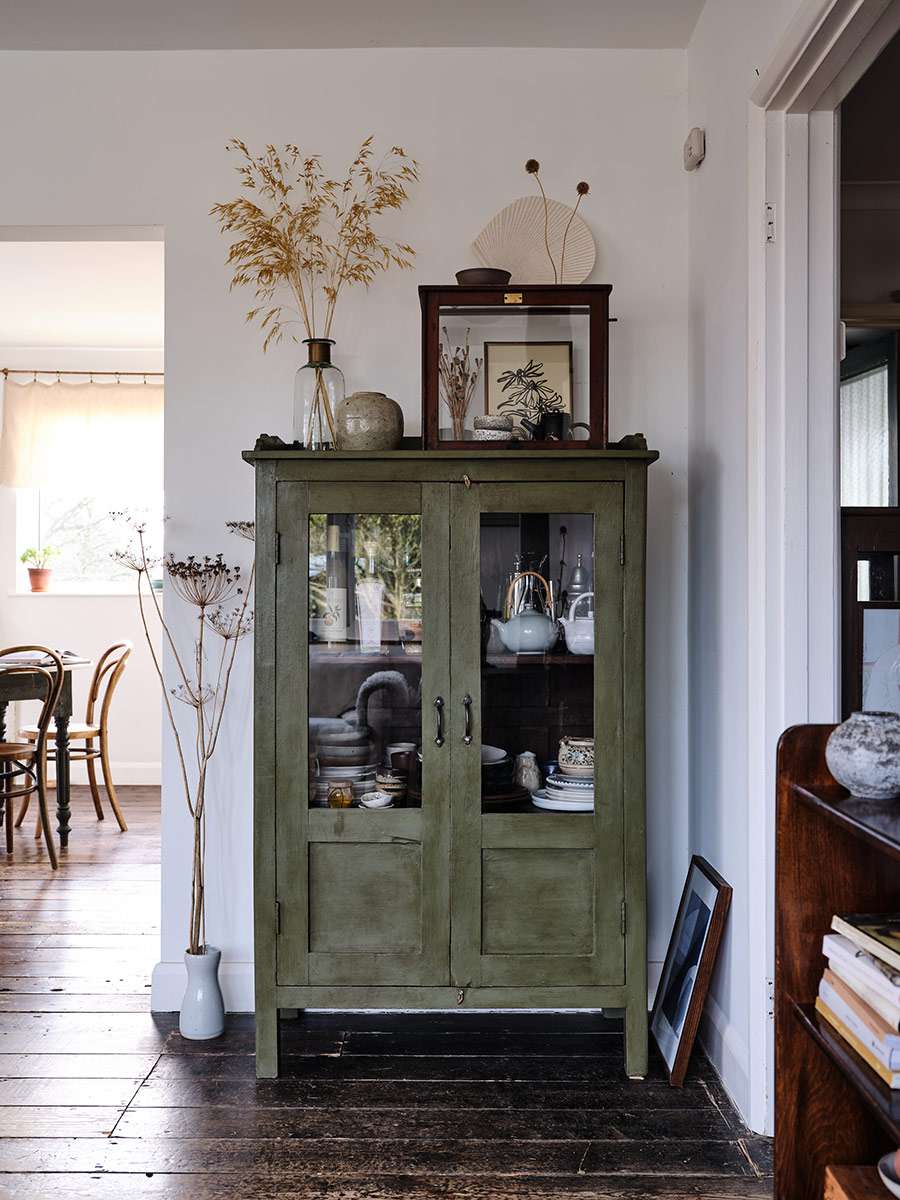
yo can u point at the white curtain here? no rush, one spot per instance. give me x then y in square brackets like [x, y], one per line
[90, 438]
[865, 440]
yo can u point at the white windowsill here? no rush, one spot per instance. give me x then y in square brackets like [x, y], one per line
[61, 592]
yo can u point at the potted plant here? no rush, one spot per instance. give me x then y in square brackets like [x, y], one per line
[221, 598]
[39, 572]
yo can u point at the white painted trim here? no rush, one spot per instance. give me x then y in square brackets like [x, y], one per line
[170, 979]
[725, 1046]
[793, 552]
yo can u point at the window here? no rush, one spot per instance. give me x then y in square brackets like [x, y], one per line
[78, 526]
[868, 407]
[75, 453]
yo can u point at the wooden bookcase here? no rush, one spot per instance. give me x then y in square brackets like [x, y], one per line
[834, 853]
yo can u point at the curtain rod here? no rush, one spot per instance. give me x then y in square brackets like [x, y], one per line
[7, 371]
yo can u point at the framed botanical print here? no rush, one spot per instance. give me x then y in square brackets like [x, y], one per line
[525, 380]
[692, 953]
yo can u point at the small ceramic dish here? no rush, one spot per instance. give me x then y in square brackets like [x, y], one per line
[376, 800]
[479, 276]
[888, 1174]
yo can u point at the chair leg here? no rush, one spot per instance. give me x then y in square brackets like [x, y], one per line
[95, 790]
[44, 815]
[23, 809]
[110, 787]
[8, 814]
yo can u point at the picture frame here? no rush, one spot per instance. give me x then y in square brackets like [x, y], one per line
[527, 378]
[690, 959]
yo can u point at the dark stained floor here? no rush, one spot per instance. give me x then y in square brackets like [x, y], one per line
[99, 1099]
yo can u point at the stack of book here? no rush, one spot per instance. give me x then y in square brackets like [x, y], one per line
[859, 994]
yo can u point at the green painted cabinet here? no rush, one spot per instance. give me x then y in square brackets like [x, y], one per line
[406, 643]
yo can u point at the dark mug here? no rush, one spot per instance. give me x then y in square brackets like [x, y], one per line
[401, 761]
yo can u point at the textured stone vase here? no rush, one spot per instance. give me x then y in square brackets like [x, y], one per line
[202, 1009]
[863, 755]
[368, 421]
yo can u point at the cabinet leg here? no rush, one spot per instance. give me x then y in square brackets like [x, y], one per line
[636, 1032]
[266, 1041]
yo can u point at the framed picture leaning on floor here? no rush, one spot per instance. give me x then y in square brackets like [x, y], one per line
[690, 959]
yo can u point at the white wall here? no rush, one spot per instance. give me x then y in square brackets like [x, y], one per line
[732, 43]
[86, 623]
[139, 139]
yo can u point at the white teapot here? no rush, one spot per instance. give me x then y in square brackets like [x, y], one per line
[579, 631]
[529, 631]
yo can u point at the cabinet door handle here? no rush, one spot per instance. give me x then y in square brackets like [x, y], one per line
[467, 706]
[439, 712]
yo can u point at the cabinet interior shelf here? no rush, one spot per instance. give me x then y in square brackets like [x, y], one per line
[883, 1103]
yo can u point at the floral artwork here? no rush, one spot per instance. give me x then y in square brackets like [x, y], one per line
[524, 380]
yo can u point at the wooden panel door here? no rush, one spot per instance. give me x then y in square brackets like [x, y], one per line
[362, 661]
[537, 893]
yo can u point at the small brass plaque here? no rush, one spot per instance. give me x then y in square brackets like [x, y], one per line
[512, 297]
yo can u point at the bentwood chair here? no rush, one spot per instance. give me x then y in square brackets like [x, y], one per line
[93, 733]
[23, 765]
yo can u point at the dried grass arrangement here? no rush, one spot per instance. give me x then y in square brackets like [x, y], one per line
[221, 597]
[458, 376]
[310, 236]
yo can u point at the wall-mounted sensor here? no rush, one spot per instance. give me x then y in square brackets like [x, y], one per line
[694, 149]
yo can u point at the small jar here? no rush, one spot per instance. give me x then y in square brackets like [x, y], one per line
[318, 389]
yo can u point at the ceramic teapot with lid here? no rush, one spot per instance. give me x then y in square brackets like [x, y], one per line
[579, 631]
[529, 631]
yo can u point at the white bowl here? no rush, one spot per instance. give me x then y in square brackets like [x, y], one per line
[492, 754]
[376, 800]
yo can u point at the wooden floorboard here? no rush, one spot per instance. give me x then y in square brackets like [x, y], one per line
[99, 1099]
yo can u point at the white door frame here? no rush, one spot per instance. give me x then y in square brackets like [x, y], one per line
[792, 435]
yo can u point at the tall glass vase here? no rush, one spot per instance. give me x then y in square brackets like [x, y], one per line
[318, 389]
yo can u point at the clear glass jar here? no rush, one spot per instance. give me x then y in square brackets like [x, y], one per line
[318, 389]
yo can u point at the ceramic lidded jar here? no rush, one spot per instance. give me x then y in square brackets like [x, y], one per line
[368, 421]
[863, 755]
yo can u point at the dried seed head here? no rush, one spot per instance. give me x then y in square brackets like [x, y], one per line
[532, 166]
[582, 188]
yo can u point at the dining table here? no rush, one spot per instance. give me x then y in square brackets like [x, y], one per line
[31, 685]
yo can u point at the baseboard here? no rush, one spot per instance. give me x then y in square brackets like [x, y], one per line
[125, 774]
[729, 1054]
[170, 978]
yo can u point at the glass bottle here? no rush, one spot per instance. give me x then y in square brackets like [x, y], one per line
[335, 588]
[318, 389]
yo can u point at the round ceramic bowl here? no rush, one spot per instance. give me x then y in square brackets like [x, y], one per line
[376, 800]
[482, 276]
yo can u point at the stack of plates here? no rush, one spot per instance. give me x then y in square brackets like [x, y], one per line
[361, 780]
[561, 793]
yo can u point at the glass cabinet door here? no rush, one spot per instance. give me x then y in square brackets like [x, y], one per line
[363, 786]
[537, 776]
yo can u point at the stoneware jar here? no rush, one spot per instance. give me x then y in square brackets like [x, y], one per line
[368, 421]
[528, 775]
[863, 755]
[576, 757]
[202, 1013]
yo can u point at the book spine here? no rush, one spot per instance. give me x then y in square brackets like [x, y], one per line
[858, 1027]
[885, 1009]
[889, 1077]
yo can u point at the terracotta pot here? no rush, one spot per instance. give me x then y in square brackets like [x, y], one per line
[39, 578]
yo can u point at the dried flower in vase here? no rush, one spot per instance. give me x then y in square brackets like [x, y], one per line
[458, 376]
[533, 167]
[203, 675]
[314, 245]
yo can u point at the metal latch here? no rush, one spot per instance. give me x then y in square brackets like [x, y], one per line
[467, 481]
[512, 297]
[460, 995]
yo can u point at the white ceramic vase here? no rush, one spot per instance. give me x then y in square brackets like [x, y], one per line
[863, 755]
[202, 1013]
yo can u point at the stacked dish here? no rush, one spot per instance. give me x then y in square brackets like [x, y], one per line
[562, 793]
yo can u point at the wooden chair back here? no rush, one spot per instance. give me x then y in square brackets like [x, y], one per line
[109, 670]
[52, 673]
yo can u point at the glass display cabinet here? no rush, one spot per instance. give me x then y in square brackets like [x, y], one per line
[526, 363]
[449, 733]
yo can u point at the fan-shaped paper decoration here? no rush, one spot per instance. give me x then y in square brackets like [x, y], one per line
[514, 241]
